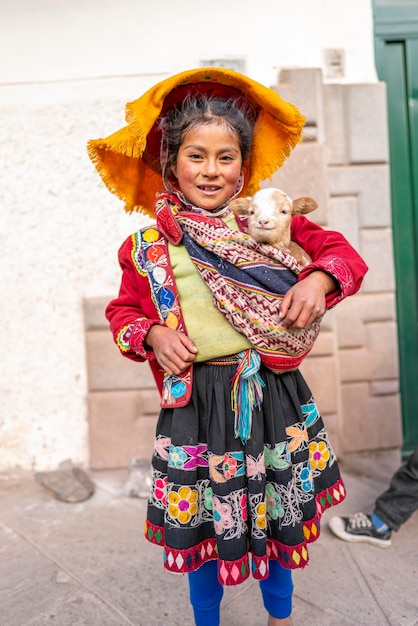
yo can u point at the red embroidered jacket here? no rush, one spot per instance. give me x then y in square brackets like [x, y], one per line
[148, 293]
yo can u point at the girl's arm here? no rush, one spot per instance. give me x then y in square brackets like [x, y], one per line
[331, 252]
[132, 313]
[136, 326]
[336, 272]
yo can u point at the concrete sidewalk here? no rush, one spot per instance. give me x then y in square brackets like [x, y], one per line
[87, 564]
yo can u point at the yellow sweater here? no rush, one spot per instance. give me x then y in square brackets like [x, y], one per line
[212, 334]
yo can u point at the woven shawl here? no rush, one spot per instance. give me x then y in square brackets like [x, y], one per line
[248, 281]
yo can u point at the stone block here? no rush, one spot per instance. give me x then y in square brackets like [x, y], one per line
[377, 250]
[369, 422]
[335, 131]
[304, 173]
[304, 88]
[376, 360]
[361, 109]
[324, 344]
[328, 321]
[108, 369]
[146, 426]
[149, 401]
[387, 387]
[370, 184]
[366, 117]
[321, 375]
[118, 430]
[354, 315]
[94, 312]
[343, 217]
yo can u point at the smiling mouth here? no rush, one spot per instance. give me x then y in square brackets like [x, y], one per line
[208, 188]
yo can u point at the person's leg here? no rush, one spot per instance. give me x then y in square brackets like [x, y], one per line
[397, 503]
[277, 591]
[206, 594]
[392, 509]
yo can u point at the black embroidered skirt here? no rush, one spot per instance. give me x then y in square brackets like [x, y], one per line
[214, 498]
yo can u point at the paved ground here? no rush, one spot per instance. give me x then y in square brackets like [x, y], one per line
[87, 564]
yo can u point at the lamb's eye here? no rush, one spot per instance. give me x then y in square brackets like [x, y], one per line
[251, 212]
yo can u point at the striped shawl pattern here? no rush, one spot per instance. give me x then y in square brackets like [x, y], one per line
[248, 281]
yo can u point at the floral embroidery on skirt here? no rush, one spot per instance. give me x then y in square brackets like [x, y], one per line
[214, 498]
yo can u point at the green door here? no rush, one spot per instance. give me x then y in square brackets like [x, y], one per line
[396, 45]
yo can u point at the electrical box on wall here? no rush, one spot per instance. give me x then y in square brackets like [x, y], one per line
[334, 59]
[237, 64]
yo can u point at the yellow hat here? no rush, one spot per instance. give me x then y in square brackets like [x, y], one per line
[128, 160]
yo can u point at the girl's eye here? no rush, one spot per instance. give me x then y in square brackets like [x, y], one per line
[196, 157]
[226, 158]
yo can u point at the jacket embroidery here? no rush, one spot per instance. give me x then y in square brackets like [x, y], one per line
[151, 257]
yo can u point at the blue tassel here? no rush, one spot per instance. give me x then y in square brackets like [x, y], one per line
[246, 392]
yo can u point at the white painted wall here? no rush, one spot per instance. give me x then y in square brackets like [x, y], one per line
[68, 39]
[67, 69]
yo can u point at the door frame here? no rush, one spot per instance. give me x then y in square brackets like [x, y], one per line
[395, 37]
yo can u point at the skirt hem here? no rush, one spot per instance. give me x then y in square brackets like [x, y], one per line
[235, 572]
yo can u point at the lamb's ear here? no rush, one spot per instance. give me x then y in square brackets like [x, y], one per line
[240, 206]
[303, 205]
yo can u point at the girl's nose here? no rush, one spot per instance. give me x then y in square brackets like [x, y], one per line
[211, 167]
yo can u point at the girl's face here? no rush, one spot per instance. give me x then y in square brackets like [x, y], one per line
[208, 165]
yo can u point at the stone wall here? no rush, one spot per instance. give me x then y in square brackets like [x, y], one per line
[123, 402]
[353, 368]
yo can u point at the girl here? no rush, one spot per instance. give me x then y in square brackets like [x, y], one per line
[242, 466]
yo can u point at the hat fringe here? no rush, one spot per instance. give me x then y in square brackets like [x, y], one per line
[119, 158]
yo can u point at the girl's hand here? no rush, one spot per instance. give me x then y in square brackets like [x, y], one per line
[305, 302]
[173, 350]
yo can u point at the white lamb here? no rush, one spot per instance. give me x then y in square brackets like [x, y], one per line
[270, 213]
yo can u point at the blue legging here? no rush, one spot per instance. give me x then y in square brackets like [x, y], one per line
[206, 593]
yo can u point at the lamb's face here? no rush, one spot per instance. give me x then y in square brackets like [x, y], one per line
[269, 216]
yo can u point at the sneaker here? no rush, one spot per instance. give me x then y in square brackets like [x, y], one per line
[357, 528]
